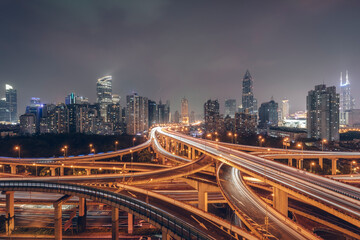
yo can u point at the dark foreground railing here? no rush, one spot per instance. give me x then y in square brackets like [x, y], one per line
[165, 219]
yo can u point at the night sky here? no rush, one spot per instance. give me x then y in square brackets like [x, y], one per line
[171, 49]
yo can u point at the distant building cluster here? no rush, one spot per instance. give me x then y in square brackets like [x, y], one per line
[104, 117]
[326, 112]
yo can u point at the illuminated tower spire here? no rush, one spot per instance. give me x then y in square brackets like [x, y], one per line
[341, 79]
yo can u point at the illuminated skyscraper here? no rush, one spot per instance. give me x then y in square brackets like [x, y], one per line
[104, 94]
[323, 113]
[346, 100]
[184, 111]
[137, 114]
[211, 115]
[248, 99]
[285, 109]
[11, 101]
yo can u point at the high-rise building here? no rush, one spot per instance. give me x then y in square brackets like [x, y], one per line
[323, 113]
[4, 111]
[230, 107]
[247, 94]
[346, 100]
[177, 117]
[73, 99]
[27, 124]
[11, 101]
[153, 113]
[211, 115]
[245, 124]
[285, 109]
[115, 99]
[104, 94]
[192, 117]
[268, 114]
[115, 118]
[164, 113]
[137, 114]
[184, 111]
[35, 108]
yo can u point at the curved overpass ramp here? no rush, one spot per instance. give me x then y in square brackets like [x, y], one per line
[178, 221]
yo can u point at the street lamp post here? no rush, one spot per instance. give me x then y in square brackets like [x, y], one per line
[324, 141]
[17, 148]
[93, 151]
[35, 169]
[235, 135]
[231, 135]
[300, 145]
[351, 166]
[91, 147]
[311, 166]
[116, 143]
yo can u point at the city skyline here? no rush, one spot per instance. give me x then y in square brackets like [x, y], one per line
[52, 67]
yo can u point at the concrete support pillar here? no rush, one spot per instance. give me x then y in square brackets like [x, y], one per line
[281, 201]
[130, 223]
[81, 206]
[333, 166]
[321, 162]
[52, 172]
[202, 198]
[165, 235]
[61, 171]
[88, 171]
[189, 152]
[193, 156]
[82, 215]
[290, 162]
[13, 169]
[299, 163]
[58, 221]
[115, 223]
[9, 211]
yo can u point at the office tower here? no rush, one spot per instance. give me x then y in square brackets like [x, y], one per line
[11, 101]
[153, 113]
[27, 124]
[184, 111]
[115, 99]
[115, 118]
[4, 111]
[322, 106]
[104, 94]
[177, 117]
[73, 99]
[164, 113]
[247, 94]
[57, 119]
[211, 115]
[268, 114]
[35, 108]
[137, 114]
[192, 117]
[346, 100]
[285, 109]
[230, 107]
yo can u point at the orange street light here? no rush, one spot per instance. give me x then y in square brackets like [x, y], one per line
[116, 143]
[324, 141]
[17, 148]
